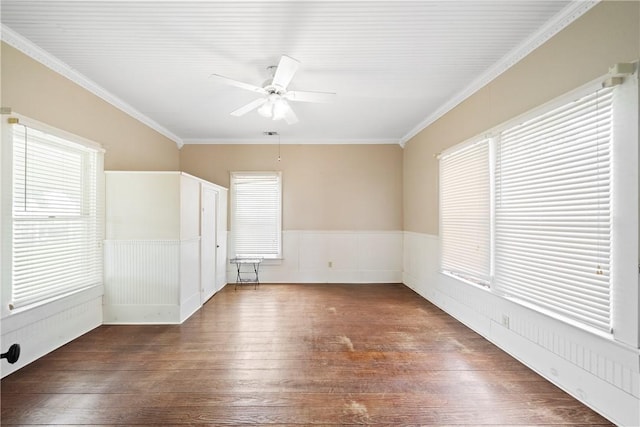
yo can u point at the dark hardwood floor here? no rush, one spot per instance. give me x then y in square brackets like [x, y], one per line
[290, 354]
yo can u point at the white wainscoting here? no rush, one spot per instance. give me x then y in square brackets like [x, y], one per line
[42, 329]
[333, 257]
[598, 371]
[142, 281]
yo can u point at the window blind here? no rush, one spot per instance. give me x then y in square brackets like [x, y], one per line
[56, 217]
[553, 217]
[256, 218]
[465, 212]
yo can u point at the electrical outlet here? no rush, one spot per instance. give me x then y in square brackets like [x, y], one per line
[505, 321]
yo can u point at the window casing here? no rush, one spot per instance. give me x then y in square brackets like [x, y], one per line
[550, 207]
[56, 216]
[256, 214]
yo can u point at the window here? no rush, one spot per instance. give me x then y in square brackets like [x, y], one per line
[553, 216]
[465, 212]
[256, 216]
[539, 230]
[56, 221]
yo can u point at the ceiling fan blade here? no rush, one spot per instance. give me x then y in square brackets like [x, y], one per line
[305, 96]
[289, 116]
[250, 106]
[239, 84]
[285, 71]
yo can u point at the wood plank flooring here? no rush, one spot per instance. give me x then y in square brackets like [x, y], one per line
[290, 354]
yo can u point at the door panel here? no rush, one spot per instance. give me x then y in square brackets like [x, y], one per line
[222, 239]
[208, 243]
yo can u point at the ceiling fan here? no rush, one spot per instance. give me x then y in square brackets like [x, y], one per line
[275, 103]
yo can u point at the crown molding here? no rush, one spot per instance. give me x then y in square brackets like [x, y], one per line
[35, 52]
[565, 17]
[265, 140]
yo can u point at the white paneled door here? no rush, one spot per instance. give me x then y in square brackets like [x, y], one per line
[208, 243]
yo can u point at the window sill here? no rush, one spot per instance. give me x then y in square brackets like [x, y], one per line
[468, 281]
[16, 319]
[539, 310]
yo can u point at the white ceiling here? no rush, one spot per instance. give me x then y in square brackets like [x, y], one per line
[395, 65]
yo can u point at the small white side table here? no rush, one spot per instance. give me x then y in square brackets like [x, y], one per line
[249, 274]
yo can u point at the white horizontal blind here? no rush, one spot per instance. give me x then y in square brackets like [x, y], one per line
[553, 217]
[465, 212]
[256, 214]
[56, 217]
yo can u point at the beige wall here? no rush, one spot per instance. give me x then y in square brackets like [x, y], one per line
[325, 187]
[35, 91]
[607, 34]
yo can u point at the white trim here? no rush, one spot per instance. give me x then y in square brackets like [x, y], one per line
[144, 172]
[565, 17]
[625, 186]
[271, 140]
[35, 52]
[6, 215]
[43, 127]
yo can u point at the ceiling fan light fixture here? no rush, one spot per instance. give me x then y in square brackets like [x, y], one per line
[266, 109]
[279, 109]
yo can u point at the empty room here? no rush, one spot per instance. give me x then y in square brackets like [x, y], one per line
[320, 212]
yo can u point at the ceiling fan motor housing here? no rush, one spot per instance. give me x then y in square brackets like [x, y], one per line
[272, 89]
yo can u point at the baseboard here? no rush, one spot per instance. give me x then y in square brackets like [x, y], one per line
[141, 314]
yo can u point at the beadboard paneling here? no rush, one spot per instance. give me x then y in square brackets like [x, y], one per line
[141, 271]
